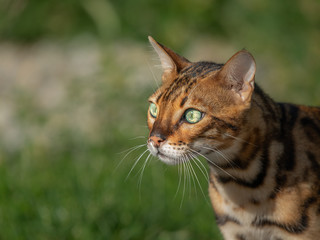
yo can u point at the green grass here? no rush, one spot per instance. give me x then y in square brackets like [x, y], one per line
[70, 198]
[68, 187]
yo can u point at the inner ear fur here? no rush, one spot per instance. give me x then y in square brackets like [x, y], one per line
[238, 75]
[171, 62]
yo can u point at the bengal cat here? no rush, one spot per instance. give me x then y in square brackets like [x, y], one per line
[264, 156]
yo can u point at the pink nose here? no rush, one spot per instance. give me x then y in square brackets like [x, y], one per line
[156, 141]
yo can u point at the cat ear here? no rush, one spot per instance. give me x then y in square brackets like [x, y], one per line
[171, 62]
[238, 73]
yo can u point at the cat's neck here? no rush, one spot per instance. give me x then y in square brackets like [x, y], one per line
[246, 161]
[261, 122]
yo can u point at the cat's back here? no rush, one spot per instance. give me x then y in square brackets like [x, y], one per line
[299, 137]
[309, 121]
[298, 168]
[300, 129]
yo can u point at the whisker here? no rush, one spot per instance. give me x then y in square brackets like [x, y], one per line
[142, 170]
[188, 176]
[131, 148]
[184, 184]
[130, 151]
[135, 163]
[213, 164]
[239, 139]
[216, 150]
[138, 137]
[191, 92]
[179, 173]
[192, 176]
[204, 173]
[195, 175]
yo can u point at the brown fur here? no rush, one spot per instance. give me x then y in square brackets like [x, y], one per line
[265, 179]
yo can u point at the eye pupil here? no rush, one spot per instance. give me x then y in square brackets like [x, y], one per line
[153, 110]
[193, 116]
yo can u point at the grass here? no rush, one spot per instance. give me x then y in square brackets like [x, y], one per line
[58, 175]
[75, 193]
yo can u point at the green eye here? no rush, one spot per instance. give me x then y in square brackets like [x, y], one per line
[153, 110]
[193, 116]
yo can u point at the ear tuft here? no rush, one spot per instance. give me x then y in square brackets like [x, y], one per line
[238, 73]
[166, 62]
[171, 62]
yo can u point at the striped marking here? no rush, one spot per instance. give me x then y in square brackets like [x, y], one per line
[224, 219]
[287, 160]
[240, 237]
[224, 124]
[248, 152]
[183, 101]
[297, 228]
[260, 175]
[159, 97]
[188, 77]
[310, 128]
[266, 101]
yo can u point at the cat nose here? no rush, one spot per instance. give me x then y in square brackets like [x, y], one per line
[156, 140]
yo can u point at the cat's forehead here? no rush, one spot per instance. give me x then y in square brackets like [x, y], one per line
[185, 81]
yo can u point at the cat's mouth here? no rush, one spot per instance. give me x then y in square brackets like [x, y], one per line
[166, 158]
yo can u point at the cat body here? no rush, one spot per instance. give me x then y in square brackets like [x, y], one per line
[264, 156]
[274, 191]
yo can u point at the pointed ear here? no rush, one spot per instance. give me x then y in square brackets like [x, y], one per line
[171, 62]
[238, 73]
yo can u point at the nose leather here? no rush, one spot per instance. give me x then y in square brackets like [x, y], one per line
[156, 140]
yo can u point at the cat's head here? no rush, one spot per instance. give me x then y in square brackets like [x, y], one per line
[199, 105]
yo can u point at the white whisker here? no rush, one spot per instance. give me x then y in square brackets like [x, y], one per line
[184, 183]
[201, 167]
[179, 173]
[213, 163]
[191, 92]
[191, 176]
[215, 150]
[142, 170]
[138, 137]
[239, 139]
[130, 150]
[188, 176]
[195, 175]
[136, 163]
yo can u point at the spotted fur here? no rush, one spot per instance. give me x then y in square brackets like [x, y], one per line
[264, 156]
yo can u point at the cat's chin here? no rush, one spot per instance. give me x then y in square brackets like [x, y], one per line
[166, 159]
[169, 160]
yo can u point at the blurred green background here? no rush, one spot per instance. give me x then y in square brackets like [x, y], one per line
[74, 80]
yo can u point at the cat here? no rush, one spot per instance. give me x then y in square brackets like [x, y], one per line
[263, 156]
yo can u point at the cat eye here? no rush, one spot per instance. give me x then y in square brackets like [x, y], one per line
[153, 110]
[193, 115]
